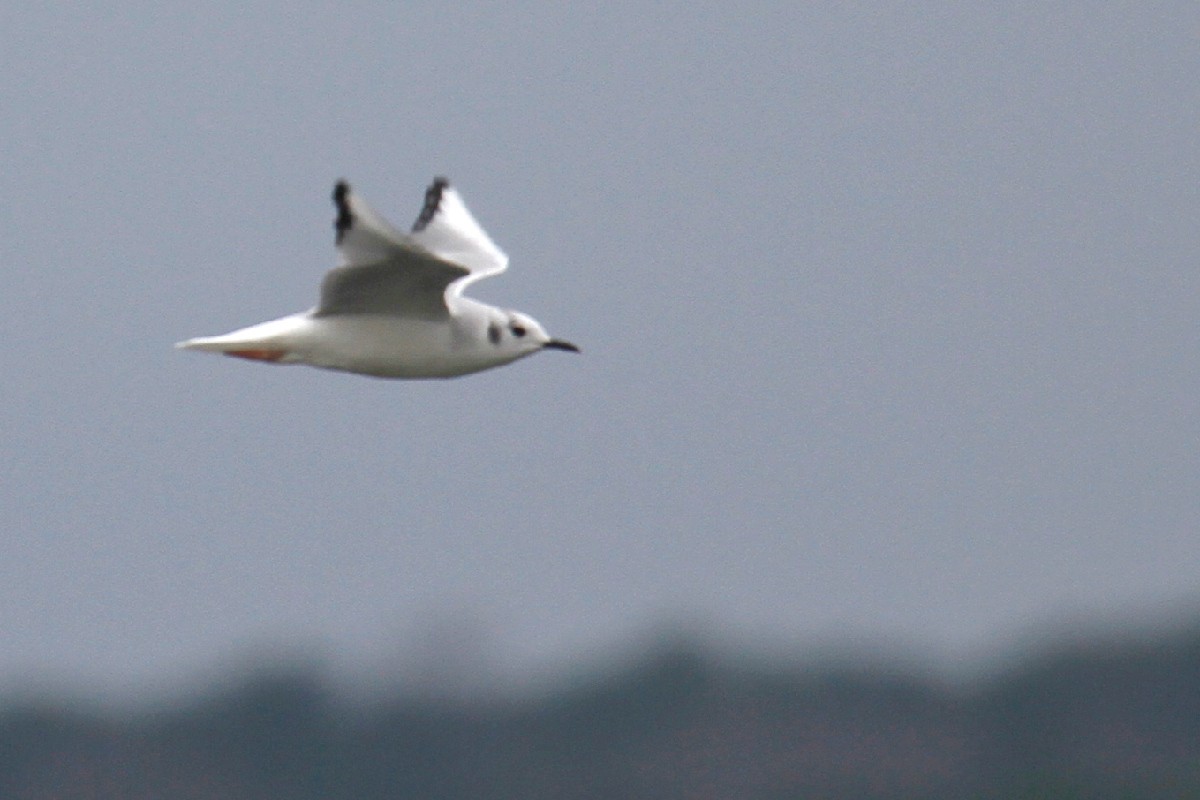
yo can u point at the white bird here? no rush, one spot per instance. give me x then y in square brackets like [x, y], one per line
[394, 308]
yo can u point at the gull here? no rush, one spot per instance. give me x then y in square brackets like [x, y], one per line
[394, 306]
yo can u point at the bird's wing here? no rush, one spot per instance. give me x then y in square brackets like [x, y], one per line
[384, 271]
[446, 229]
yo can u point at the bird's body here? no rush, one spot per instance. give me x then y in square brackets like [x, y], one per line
[394, 308]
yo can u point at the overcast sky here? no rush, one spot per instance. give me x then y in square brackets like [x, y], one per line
[888, 311]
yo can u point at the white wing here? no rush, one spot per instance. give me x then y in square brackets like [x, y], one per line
[384, 271]
[446, 228]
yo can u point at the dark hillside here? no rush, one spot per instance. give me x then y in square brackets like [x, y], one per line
[1095, 721]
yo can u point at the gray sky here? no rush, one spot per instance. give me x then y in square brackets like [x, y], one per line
[889, 318]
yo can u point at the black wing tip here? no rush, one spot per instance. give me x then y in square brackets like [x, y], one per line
[433, 199]
[344, 220]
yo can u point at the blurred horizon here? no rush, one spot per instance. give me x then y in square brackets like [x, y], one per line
[454, 657]
[1095, 717]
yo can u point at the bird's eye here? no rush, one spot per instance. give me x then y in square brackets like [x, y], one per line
[518, 330]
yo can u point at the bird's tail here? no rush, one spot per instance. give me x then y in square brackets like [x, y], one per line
[232, 345]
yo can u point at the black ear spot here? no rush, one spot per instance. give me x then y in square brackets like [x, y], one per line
[494, 333]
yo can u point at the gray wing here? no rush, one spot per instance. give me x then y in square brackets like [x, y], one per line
[383, 271]
[406, 286]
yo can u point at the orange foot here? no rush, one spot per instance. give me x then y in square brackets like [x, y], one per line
[257, 355]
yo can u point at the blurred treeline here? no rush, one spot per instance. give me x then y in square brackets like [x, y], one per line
[1114, 719]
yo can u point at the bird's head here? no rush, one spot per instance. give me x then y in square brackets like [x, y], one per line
[522, 334]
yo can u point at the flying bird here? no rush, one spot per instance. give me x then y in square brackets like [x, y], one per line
[394, 307]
